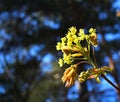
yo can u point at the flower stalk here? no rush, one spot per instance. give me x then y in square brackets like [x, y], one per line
[76, 47]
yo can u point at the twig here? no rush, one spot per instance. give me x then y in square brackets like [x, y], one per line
[118, 90]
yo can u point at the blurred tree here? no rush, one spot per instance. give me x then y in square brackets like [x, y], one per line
[29, 30]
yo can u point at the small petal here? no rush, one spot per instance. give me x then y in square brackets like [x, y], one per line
[60, 62]
[58, 46]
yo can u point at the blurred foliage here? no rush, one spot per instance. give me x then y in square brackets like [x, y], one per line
[29, 30]
[48, 87]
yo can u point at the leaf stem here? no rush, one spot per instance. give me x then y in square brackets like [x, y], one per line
[94, 64]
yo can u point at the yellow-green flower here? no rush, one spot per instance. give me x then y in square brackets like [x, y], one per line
[81, 34]
[60, 62]
[91, 30]
[67, 58]
[58, 46]
[73, 30]
[93, 39]
[70, 41]
[63, 39]
[87, 37]
[82, 77]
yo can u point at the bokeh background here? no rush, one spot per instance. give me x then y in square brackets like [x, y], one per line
[29, 31]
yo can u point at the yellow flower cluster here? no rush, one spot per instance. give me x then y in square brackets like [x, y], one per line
[75, 45]
[71, 44]
[93, 37]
